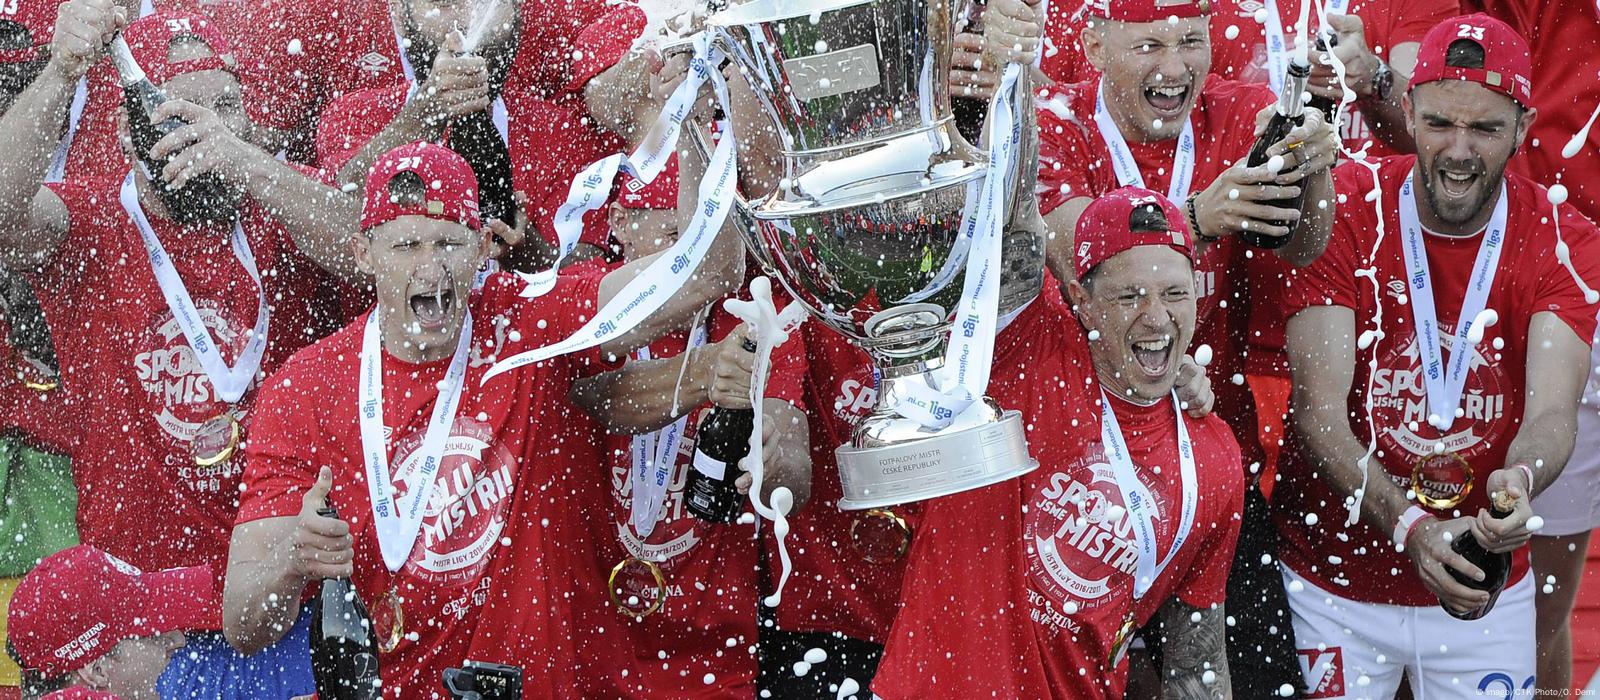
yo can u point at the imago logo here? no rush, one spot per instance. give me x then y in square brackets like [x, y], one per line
[1323, 670]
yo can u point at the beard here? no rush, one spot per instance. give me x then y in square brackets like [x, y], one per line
[1460, 211]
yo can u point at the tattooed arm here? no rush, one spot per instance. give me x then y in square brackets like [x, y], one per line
[1192, 646]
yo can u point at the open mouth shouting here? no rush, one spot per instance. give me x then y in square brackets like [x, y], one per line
[1167, 101]
[1154, 357]
[1457, 182]
[431, 309]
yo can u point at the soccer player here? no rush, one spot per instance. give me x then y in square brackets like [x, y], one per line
[1438, 348]
[1034, 587]
[470, 559]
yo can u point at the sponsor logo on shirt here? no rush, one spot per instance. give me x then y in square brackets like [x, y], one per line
[1323, 671]
[181, 394]
[1247, 8]
[1081, 549]
[1400, 404]
[466, 513]
[676, 531]
[374, 62]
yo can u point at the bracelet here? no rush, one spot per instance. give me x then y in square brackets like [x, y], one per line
[1527, 472]
[1408, 522]
[1194, 220]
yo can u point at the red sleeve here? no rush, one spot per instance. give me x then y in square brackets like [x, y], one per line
[281, 452]
[1066, 156]
[603, 43]
[1331, 279]
[552, 317]
[549, 33]
[1063, 59]
[1206, 583]
[1557, 291]
[550, 143]
[87, 218]
[351, 121]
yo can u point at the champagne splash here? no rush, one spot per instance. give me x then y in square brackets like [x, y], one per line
[478, 25]
[768, 329]
[1557, 196]
[1575, 144]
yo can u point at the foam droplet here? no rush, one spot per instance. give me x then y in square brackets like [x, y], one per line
[1260, 15]
[1557, 194]
[847, 688]
[816, 656]
[1535, 524]
[1094, 335]
[709, 679]
[1233, 193]
[1311, 518]
[1575, 144]
[1275, 164]
[1202, 355]
[1232, 32]
[1157, 124]
[801, 668]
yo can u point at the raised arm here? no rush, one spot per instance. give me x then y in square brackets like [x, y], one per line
[645, 395]
[1194, 654]
[271, 560]
[33, 220]
[319, 218]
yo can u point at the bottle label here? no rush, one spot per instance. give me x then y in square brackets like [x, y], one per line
[709, 466]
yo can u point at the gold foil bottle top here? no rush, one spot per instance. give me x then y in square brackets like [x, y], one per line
[1502, 502]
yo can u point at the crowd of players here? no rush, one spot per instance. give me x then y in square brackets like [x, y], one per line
[1253, 463]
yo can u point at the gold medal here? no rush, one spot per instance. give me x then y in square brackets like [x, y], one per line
[397, 632]
[638, 604]
[880, 536]
[1120, 642]
[216, 439]
[1442, 481]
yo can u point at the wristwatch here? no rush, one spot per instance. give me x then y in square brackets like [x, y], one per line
[1382, 82]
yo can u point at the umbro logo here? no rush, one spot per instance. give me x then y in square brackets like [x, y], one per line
[634, 185]
[374, 62]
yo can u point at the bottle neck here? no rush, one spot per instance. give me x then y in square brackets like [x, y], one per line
[1290, 103]
[127, 68]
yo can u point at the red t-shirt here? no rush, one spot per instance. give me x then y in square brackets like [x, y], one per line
[543, 164]
[1074, 162]
[300, 56]
[95, 152]
[710, 569]
[1564, 36]
[141, 392]
[1351, 561]
[1017, 590]
[486, 575]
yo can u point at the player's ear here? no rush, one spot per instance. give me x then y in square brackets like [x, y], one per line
[361, 247]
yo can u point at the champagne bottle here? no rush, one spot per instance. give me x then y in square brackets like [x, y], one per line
[142, 97]
[1290, 114]
[1323, 104]
[478, 141]
[1496, 567]
[344, 650]
[723, 440]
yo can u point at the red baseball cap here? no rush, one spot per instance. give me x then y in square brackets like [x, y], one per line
[1507, 67]
[1140, 11]
[80, 602]
[603, 43]
[662, 193]
[1106, 227]
[38, 17]
[451, 186]
[150, 39]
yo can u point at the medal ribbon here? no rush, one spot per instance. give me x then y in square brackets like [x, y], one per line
[58, 161]
[399, 520]
[1127, 168]
[1444, 385]
[1137, 498]
[591, 187]
[671, 270]
[230, 382]
[1277, 47]
[969, 355]
[655, 454]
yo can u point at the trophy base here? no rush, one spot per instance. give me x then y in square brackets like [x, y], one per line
[938, 465]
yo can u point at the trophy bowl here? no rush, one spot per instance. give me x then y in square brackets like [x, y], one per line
[862, 182]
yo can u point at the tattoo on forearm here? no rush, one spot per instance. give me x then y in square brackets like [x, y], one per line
[1194, 653]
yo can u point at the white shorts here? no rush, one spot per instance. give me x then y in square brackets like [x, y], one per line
[1350, 649]
[1571, 505]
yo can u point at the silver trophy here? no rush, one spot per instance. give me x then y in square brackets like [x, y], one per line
[858, 179]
